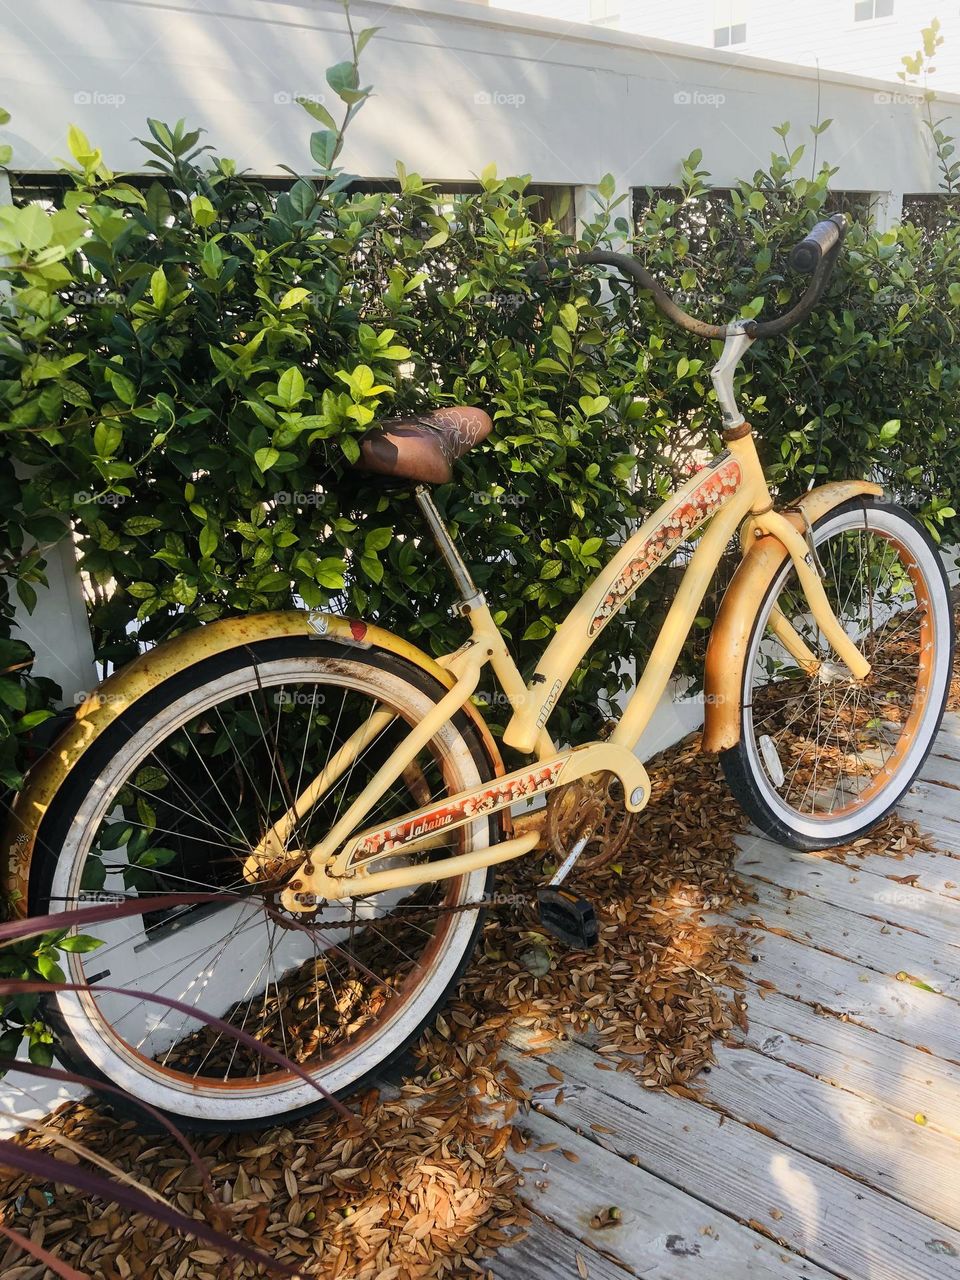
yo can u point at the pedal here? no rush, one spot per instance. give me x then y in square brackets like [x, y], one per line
[569, 919]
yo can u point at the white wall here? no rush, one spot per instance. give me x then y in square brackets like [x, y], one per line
[817, 31]
[457, 85]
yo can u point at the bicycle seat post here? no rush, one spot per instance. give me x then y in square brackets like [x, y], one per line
[737, 342]
[470, 596]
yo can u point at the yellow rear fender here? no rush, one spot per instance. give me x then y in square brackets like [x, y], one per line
[97, 712]
[730, 636]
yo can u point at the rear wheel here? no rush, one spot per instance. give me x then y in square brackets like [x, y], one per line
[823, 757]
[173, 797]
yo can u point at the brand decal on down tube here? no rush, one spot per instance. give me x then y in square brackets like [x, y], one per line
[717, 484]
[498, 795]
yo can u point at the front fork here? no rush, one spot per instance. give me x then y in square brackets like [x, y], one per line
[804, 560]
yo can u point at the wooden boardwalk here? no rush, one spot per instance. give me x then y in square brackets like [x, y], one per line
[831, 1142]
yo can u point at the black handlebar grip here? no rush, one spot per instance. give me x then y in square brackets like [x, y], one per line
[805, 257]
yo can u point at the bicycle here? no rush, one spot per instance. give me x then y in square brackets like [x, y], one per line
[344, 788]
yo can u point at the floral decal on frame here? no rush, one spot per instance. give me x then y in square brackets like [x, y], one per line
[503, 792]
[717, 483]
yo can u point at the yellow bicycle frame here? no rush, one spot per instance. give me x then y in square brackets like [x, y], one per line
[731, 493]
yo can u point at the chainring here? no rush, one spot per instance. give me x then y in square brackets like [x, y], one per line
[594, 807]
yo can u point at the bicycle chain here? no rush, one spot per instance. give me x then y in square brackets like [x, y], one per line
[416, 913]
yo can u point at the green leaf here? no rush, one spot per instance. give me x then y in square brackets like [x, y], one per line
[569, 317]
[79, 144]
[203, 211]
[80, 942]
[48, 968]
[323, 147]
[342, 78]
[318, 111]
[266, 458]
[293, 298]
[372, 567]
[365, 36]
[137, 526]
[290, 388]
[40, 1054]
[538, 630]
[593, 405]
[561, 339]
[209, 538]
[159, 288]
[34, 227]
[106, 439]
[13, 695]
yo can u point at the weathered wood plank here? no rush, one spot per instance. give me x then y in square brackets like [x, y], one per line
[663, 1233]
[840, 1224]
[872, 943]
[895, 1009]
[941, 768]
[547, 1252]
[936, 871]
[913, 1164]
[950, 729]
[855, 1059]
[856, 889]
[937, 811]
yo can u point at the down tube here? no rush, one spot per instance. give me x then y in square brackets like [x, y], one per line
[679, 620]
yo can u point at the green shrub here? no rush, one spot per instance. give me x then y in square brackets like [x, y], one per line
[187, 362]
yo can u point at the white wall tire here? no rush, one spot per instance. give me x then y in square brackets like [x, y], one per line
[89, 1040]
[747, 765]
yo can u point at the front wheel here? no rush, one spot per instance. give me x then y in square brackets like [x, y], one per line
[173, 797]
[823, 757]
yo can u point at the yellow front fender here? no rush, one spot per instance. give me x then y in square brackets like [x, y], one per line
[124, 687]
[730, 636]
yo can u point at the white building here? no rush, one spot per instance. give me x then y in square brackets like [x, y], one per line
[866, 37]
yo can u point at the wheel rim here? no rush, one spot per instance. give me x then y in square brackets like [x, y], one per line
[830, 755]
[369, 984]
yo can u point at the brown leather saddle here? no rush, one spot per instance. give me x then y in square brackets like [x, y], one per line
[425, 448]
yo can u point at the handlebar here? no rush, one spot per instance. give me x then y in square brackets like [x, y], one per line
[817, 252]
